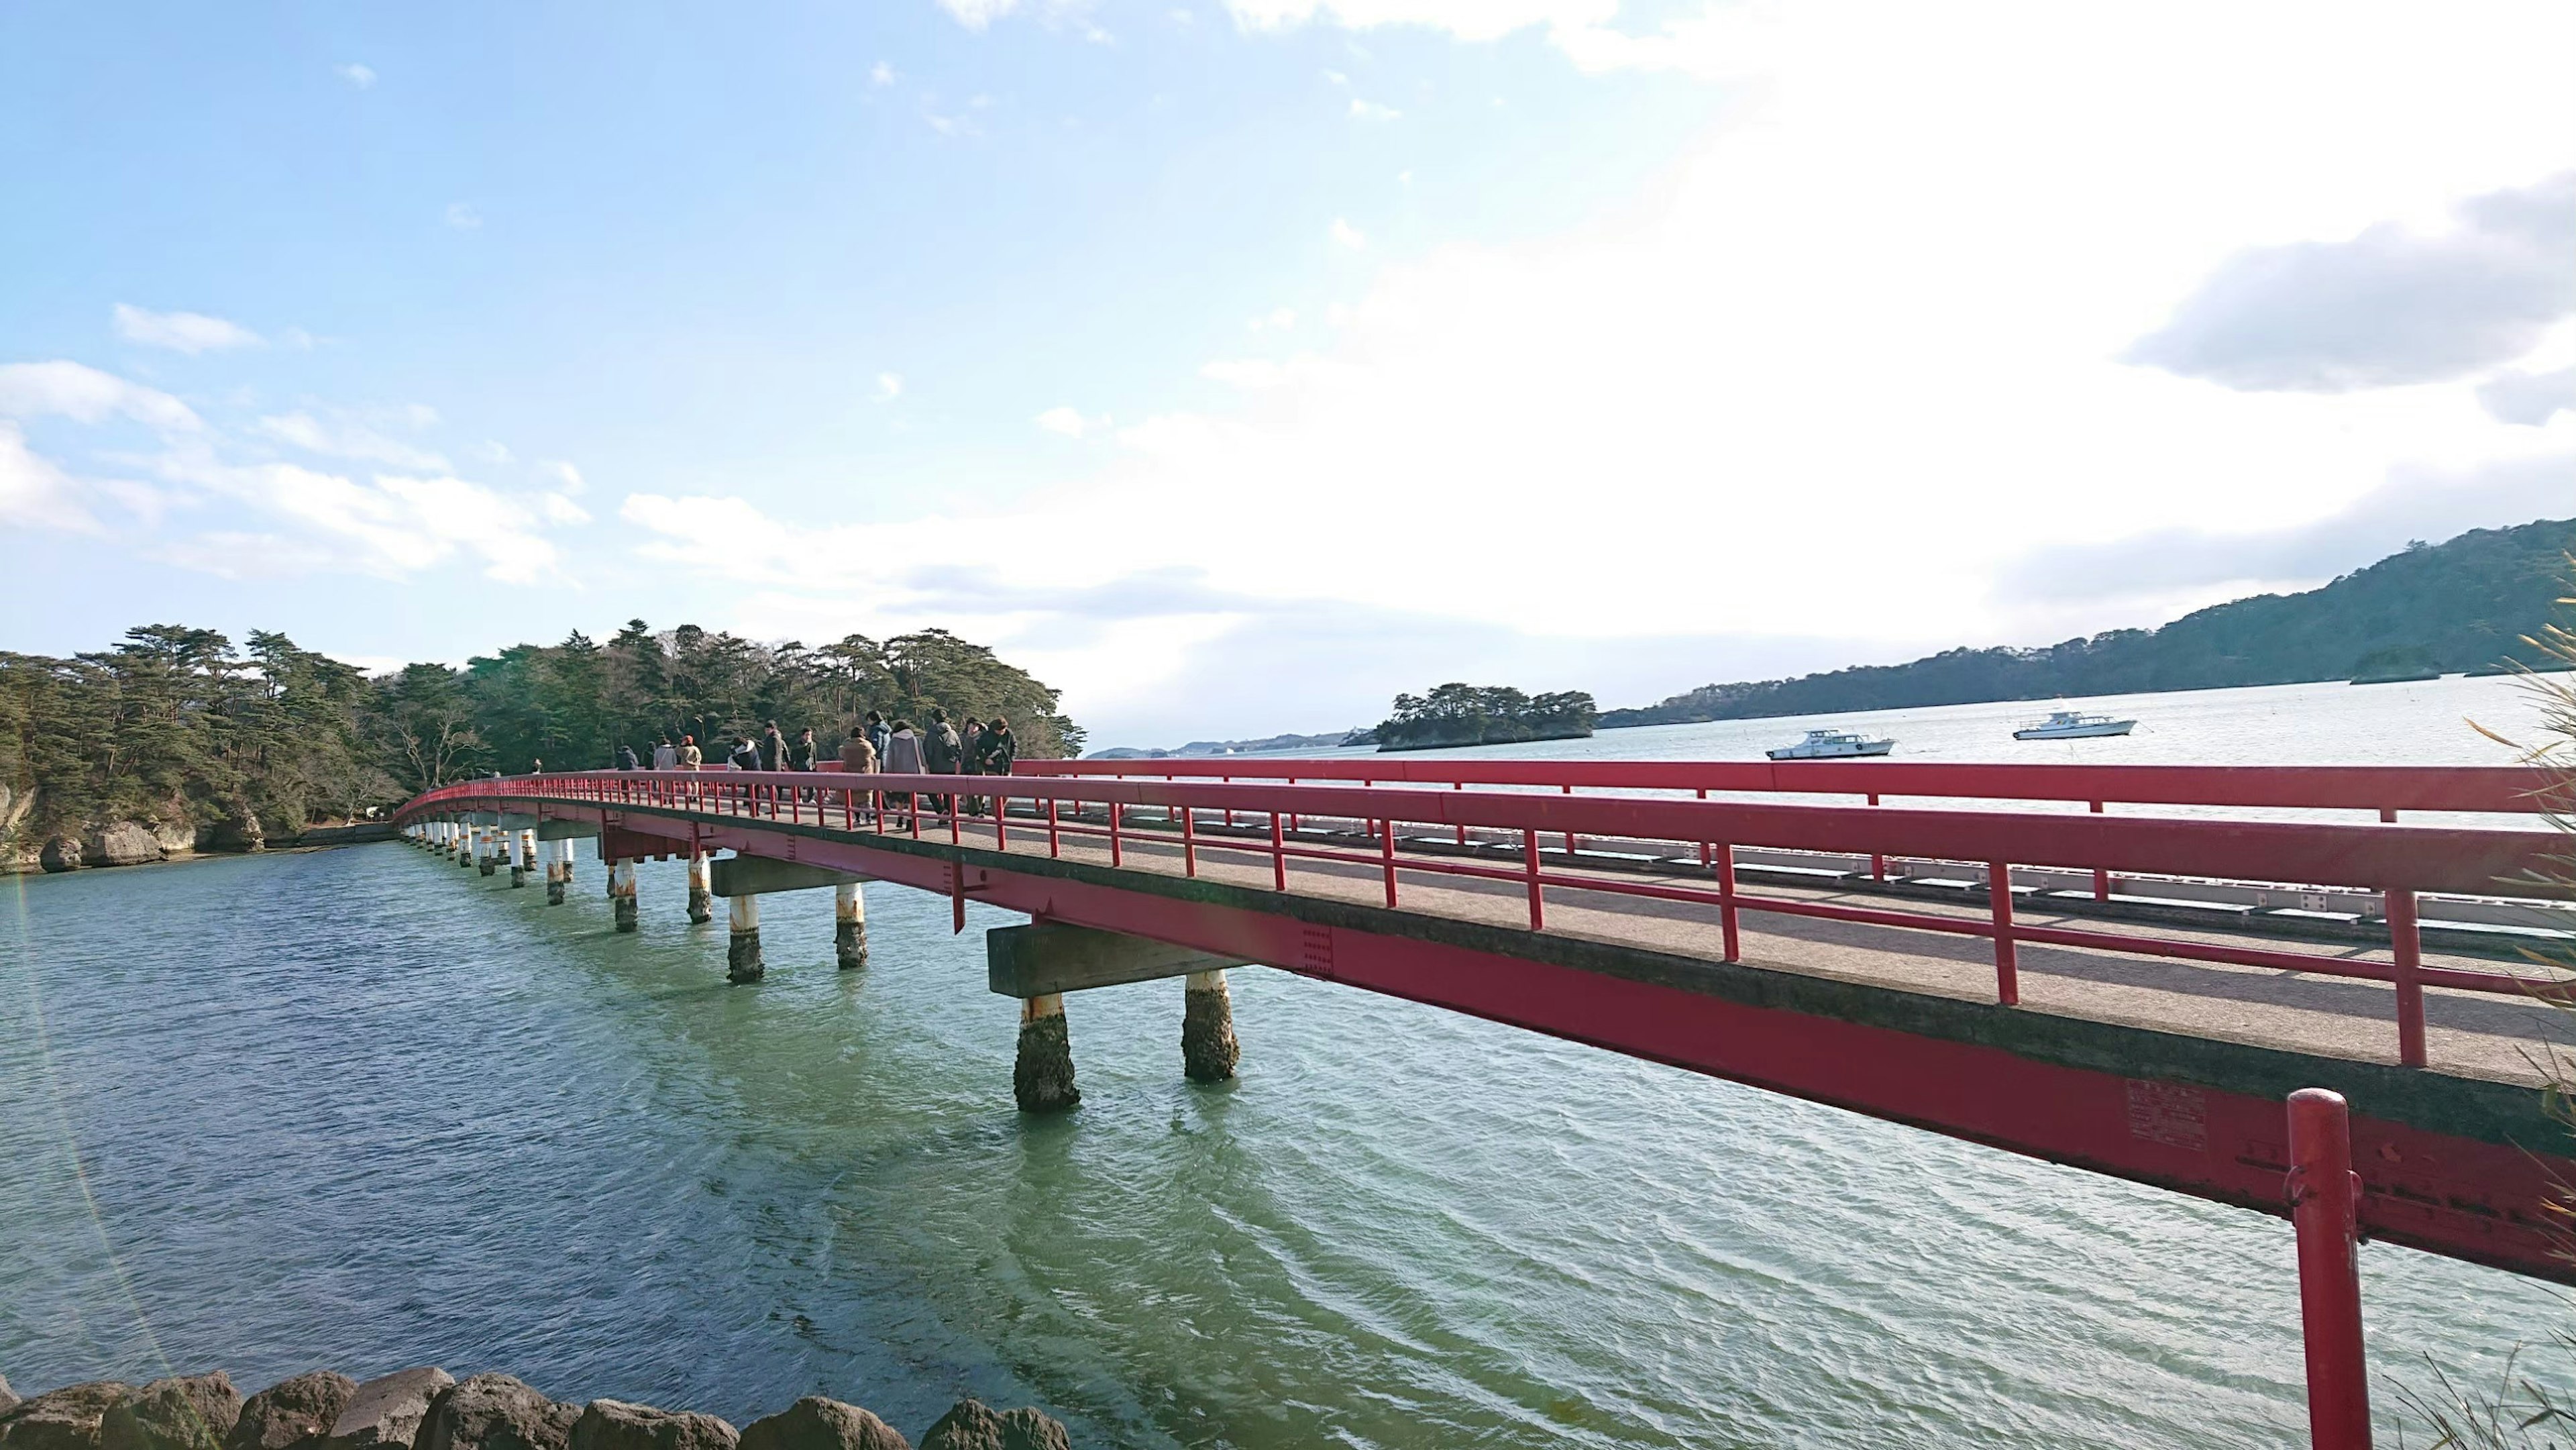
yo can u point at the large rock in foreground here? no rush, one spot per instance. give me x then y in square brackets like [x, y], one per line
[387, 1410]
[497, 1412]
[121, 843]
[62, 853]
[294, 1414]
[816, 1423]
[617, 1425]
[8, 1401]
[63, 1419]
[192, 1412]
[974, 1426]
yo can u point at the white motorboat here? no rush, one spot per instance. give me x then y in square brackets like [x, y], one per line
[2073, 725]
[1832, 745]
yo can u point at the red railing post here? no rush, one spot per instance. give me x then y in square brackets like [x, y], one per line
[1727, 922]
[2325, 1205]
[2406, 946]
[1001, 819]
[1462, 825]
[1229, 810]
[1386, 854]
[1055, 839]
[2101, 878]
[1529, 868]
[1190, 841]
[1278, 856]
[2007, 958]
[1113, 834]
[1877, 860]
[1704, 852]
[1569, 837]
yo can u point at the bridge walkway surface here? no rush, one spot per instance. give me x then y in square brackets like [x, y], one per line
[2477, 1034]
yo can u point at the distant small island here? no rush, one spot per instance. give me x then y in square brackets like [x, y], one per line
[1459, 714]
[1266, 745]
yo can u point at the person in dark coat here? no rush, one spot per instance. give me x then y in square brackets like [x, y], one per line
[746, 756]
[992, 753]
[878, 734]
[626, 758]
[941, 754]
[800, 751]
[773, 748]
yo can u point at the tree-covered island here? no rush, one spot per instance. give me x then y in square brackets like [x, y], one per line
[1458, 714]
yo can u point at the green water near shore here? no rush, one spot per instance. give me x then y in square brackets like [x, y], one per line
[364, 1109]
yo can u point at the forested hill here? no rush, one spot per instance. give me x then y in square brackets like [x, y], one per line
[174, 735]
[2460, 605]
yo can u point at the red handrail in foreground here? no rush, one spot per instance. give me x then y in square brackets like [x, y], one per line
[2325, 1201]
[2395, 860]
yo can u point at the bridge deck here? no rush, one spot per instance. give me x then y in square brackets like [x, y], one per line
[2469, 1033]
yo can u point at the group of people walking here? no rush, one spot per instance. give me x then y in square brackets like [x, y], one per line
[987, 747]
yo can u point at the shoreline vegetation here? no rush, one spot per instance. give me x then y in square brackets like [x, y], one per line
[173, 741]
[2466, 605]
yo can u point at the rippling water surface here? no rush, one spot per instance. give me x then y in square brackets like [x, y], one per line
[366, 1109]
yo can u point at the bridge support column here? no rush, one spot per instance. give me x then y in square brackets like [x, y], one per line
[488, 859]
[1208, 1049]
[702, 901]
[621, 893]
[522, 849]
[558, 871]
[742, 951]
[1042, 1078]
[849, 926]
[467, 843]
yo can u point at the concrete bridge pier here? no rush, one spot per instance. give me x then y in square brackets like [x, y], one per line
[468, 844]
[742, 947]
[522, 849]
[1042, 1075]
[488, 859]
[621, 893]
[558, 871]
[702, 901]
[849, 926]
[1042, 961]
[743, 880]
[1208, 1049]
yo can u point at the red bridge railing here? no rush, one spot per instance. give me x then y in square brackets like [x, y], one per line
[2397, 861]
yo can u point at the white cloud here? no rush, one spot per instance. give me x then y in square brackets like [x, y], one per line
[2530, 398]
[1342, 232]
[567, 476]
[1372, 111]
[881, 74]
[2387, 307]
[462, 216]
[977, 14]
[1279, 319]
[188, 332]
[86, 395]
[355, 74]
[1068, 422]
[1246, 373]
[1465, 19]
[33, 491]
[561, 510]
[348, 440]
[889, 387]
[494, 451]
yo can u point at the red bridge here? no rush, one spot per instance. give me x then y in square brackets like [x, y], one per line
[2127, 969]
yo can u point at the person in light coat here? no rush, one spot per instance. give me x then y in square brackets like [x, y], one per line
[902, 757]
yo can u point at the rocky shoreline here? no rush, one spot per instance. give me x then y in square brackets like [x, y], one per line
[429, 1409]
[133, 843]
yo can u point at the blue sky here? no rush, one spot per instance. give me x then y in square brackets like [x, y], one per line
[1238, 362]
